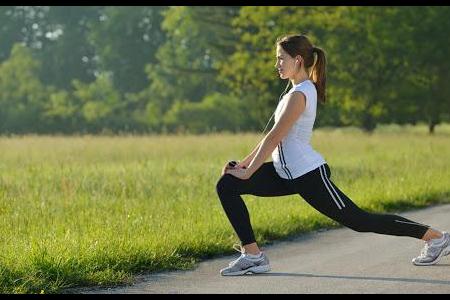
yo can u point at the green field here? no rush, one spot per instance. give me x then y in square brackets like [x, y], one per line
[79, 211]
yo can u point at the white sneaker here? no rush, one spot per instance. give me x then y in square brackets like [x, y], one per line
[432, 251]
[244, 264]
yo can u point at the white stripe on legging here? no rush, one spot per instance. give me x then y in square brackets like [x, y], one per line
[412, 223]
[326, 178]
[329, 191]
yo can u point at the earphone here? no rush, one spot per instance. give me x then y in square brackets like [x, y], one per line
[233, 163]
[281, 96]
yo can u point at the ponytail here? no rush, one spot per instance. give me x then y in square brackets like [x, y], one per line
[319, 74]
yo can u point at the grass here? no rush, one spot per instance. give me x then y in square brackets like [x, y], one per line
[82, 211]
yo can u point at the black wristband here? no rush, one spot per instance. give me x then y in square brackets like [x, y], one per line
[232, 163]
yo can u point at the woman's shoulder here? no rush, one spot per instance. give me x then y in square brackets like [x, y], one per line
[307, 87]
[305, 84]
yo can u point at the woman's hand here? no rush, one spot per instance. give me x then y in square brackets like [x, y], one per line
[241, 173]
[227, 167]
[242, 164]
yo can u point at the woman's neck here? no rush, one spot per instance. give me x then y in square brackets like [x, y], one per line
[299, 77]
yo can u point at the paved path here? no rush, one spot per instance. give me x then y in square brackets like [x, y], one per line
[333, 261]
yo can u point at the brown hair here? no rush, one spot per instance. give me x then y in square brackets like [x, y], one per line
[300, 45]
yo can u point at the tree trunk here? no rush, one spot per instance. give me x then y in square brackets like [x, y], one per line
[431, 126]
[368, 123]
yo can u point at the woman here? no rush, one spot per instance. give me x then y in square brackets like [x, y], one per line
[298, 169]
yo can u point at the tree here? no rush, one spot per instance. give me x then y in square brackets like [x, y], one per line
[101, 104]
[10, 31]
[367, 59]
[22, 95]
[62, 112]
[65, 51]
[249, 72]
[125, 40]
[57, 37]
[217, 112]
[198, 38]
[427, 51]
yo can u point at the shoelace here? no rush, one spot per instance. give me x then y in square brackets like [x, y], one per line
[425, 249]
[239, 249]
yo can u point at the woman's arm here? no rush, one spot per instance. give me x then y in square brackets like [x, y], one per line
[291, 112]
[246, 161]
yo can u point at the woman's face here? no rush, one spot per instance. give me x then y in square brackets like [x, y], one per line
[286, 65]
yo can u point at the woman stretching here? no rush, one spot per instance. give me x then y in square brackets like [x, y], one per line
[298, 169]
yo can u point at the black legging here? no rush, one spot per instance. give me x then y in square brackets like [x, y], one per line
[318, 190]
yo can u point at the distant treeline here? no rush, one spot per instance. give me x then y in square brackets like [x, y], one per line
[94, 69]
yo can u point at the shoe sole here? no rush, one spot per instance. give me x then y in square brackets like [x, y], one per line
[255, 270]
[444, 252]
[447, 251]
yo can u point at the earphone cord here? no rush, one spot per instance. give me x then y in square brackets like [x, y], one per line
[281, 96]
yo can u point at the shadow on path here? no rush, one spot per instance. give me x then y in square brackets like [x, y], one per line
[391, 279]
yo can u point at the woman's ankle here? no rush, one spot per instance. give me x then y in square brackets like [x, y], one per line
[432, 234]
[252, 249]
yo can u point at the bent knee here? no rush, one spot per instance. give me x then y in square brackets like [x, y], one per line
[225, 184]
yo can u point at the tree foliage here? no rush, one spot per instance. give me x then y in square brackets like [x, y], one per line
[91, 69]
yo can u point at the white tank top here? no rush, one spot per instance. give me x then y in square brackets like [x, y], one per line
[294, 155]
